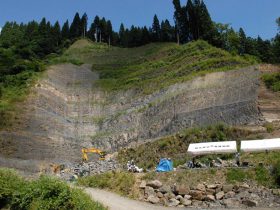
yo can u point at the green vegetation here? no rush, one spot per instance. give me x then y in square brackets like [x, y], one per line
[175, 147]
[260, 174]
[272, 81]
[160, 65]
[119, 182]
[46, 194]
[237, 175]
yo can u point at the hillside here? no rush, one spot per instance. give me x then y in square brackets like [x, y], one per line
[154, 66]
[111, 98]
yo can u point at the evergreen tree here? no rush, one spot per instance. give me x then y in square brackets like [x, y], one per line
[91, 32]
[156, 29]
[96, 28]
[122, 36]
[65, 31]
[109, 32]
[242, 38]
[75, 28]
[84, 23]
[181, 22]
[166, 32]
[146, 38]
[103, 30]
[56, 35]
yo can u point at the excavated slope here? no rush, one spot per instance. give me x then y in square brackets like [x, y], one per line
[66, 112]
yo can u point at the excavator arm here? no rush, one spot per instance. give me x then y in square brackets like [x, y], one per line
[85, 151]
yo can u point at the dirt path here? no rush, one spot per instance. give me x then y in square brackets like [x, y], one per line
[116, 202]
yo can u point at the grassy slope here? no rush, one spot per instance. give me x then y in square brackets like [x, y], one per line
[151, 67]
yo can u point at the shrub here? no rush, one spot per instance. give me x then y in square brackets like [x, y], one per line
[272, 81]
[45, 193]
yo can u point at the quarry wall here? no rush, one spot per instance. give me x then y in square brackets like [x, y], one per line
[67, 112]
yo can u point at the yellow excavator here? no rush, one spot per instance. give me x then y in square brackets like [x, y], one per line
[85, 151]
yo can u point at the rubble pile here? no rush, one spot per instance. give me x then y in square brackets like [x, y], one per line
[88, 168]
[209, 195]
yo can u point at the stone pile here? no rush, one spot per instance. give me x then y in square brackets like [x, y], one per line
[89, 168]
[208, 195]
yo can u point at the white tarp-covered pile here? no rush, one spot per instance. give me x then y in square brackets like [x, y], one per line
[212, 148]
[260, 145]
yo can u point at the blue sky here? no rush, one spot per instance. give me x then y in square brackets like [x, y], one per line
[257, 17]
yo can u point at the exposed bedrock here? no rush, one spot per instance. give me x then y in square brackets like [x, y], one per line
[66, 112]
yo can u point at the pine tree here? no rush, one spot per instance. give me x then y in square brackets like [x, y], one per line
[75, 28]
[84, 23]
[166, 31]
[96, 28]
[91, 32]
[109, 32]
[242, 38]
[56, 34]
[65, 31]
[156, 29]
[181, 22]
[122, 35]
[103, 29]
[146, 38]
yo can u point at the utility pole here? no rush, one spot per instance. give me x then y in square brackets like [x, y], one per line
[109, 41]
[178, 38]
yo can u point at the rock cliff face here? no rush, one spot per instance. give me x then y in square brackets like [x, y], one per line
[66, 112]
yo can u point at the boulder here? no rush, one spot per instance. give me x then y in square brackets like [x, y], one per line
[210, 198]
[218, 189]
[178, 197]
[211, 186]
[244, 186]
[169, 195]
[156, 184]
[188, 197]
[210, 191]
[197, 195]
[229, 194]
[163, 201]
[173, 202]
[159, 195]
[201, 187]
[182, 190]
[249, 203]
[227, 188]
[220, 195]
[164, 189]
[185, 202]
[231, 203]
[149, 191]
[142, 185]
[153, 199]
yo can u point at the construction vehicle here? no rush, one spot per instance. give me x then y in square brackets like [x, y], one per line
[85, 151]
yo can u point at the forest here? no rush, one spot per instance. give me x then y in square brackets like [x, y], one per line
[25, 47]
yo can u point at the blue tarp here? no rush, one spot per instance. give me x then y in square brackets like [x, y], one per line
[165, 165]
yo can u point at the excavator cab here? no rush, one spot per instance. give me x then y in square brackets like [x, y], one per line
[85, 151]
